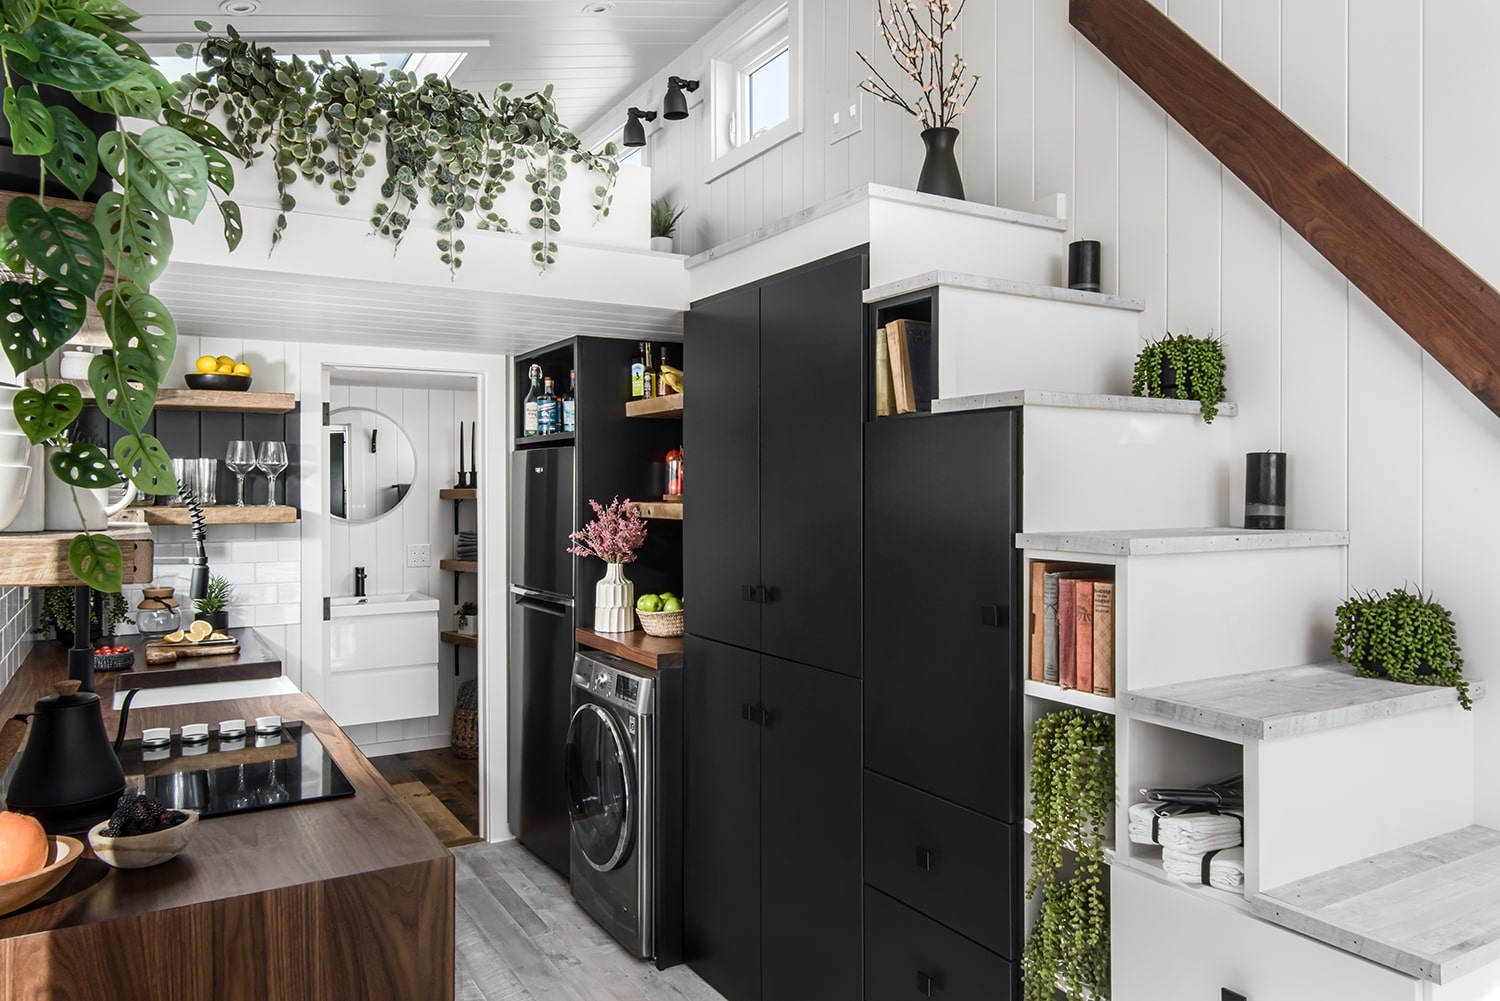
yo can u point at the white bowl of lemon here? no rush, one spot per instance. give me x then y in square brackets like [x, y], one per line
[219, 372]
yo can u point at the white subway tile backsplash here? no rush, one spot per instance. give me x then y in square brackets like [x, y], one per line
[254, 594]
[217, 552]
[289, 593]
[260, 551]
[236, 573]
[289, 550]
[278, 572]
[280, 614]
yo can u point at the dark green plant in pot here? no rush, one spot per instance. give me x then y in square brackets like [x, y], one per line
[1402, 636]
[664, 217]
[323, 121]
[1196, 363]
[1072, 798]
[58, 607]
[54, 261]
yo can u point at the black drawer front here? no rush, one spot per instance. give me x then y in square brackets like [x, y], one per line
[908, 956]
[952, 864]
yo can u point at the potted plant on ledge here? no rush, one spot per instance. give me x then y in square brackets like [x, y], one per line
[664, 216]
[1401, 636]
[1183, 367]
[213, 607]
[462, 615]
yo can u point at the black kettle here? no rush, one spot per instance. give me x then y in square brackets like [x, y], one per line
[69, 777]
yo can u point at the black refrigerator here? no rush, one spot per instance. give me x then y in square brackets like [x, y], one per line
[541, 647]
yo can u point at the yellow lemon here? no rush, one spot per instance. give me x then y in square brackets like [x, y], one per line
[174, 637]
[242, 369]
[200, 630]
[207, 364]
[225, 360]
[225, 370]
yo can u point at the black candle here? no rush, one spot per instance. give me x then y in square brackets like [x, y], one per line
[1265, 490]
[1083, 265]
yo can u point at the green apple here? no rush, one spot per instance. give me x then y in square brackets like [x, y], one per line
[671, 605]
[648, 603]
[667, 594]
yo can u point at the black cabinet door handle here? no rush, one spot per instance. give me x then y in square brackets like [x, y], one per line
[992, 615]
[765, 717]
[924, 859]
[928, 982]
[754, 714]
[768, 595]
[749, 592]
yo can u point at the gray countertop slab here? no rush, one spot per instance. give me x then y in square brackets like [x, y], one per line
[1288, 701]
[1077, 401]
[1001, 286]
[1174, 541]
[1430, 909]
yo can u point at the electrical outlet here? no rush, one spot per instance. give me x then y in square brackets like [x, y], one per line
[847, 117]
[419, 555]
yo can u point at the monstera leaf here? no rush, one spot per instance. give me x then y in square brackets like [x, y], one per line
[36, 319]
[163, 164]
[44, 415]
[74, 158]
[71, 59]
[125, 386]
[137, 236]
[146, 463]
[97, 561]
[84, 465]
[136, 319]
[58, 242]
[31, 130]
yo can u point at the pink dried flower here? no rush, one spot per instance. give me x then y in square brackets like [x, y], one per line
[614, 535]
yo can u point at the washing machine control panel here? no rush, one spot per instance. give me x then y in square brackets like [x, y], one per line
[628, 691]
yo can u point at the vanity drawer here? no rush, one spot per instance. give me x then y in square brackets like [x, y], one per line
[952, 864]
[910, 956]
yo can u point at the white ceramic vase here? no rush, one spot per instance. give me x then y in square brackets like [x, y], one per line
[661, 244]
[614, 601]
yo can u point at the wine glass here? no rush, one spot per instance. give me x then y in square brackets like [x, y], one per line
[240, 459]
[271, 459]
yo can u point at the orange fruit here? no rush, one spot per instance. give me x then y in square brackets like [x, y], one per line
[23, 845]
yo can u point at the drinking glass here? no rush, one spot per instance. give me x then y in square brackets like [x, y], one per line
[240, 459]
[271, 459]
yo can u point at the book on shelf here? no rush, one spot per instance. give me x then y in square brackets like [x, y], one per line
[909, 343]
[1067, 631]
[1083, 644]
[1104, 638]
[885, 386]
[1050, 587]
[1037, 627]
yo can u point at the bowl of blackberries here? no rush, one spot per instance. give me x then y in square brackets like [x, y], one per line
[142, 832]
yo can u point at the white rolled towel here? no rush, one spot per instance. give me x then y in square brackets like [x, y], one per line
[1185, 832]
[1226, 868]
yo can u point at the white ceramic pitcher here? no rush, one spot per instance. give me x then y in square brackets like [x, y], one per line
[63, 517]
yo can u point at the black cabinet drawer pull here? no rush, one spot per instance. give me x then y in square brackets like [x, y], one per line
[928, 982]
[924, 859]
[749, 592]
[992, 615]
[756, 714]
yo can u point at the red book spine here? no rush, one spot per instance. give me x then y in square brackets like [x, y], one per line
[1084, 644]
[1067, 633]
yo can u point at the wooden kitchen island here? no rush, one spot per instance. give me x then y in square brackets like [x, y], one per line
[343, 898]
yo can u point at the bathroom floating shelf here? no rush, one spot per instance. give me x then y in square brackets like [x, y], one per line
[660, 407]
[221, 514]
[40, 559]
[470, 640]
[198, 399]
[459, 566]
[459, 493]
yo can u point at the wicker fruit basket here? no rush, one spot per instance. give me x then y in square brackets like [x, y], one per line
[465, 741]
[661, 623]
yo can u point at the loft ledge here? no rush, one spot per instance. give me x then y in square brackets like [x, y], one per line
[1077, 401]
[1288, 701]
[1430, 910]
[1176, 541]
[1001, 286]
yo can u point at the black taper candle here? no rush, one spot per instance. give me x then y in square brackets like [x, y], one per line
[1083, 265]
[1265, 490]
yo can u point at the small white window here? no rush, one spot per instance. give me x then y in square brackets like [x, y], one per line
[755, 93]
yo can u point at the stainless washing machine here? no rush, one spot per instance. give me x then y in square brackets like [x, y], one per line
[610, 758]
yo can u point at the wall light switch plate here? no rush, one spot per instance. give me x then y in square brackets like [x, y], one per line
[846, 117]
[419, 555]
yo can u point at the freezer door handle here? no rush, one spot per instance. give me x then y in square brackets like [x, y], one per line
[545, 607]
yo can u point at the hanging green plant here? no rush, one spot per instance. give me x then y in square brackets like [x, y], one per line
[54, 261]
[1402, 636]
[322, 121]
[1072, 797]
[1183, 367]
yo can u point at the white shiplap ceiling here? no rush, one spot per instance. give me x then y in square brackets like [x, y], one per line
[593, 61]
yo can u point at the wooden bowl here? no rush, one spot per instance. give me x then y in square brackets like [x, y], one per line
[17, 893]
[139, 851]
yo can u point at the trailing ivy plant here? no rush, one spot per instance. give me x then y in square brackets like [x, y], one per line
[1403, 636]
[1199, 363]
[455, 150]
[1072, 796]
[54, 261]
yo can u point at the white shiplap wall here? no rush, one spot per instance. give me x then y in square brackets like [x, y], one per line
[430, 418]
[1381, 439]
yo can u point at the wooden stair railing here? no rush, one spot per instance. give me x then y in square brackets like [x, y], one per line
[1450, 311]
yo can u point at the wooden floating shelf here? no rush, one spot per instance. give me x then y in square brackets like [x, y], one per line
[221, 514]
[40, 559]
[655, 652]
[199, 399]
[661, 407]
[458, 638]
[459, 566]
[459, 493]
[660, 510]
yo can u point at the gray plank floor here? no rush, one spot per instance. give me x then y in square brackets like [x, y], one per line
[519, 936]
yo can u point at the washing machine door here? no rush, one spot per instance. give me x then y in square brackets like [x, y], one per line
[600, 793]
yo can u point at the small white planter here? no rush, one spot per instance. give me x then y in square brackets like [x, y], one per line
[661, 244]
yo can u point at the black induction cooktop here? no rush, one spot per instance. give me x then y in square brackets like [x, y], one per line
[223, 775]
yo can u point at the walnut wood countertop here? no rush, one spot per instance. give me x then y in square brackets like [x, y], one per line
[354, 895]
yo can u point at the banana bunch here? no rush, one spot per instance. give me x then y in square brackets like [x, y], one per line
[673, 377]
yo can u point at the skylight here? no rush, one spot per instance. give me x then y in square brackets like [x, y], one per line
[421, 63]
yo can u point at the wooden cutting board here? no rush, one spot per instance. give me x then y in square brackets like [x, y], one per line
[162, 652]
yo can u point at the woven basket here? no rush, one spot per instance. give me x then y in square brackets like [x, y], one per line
[466, 733]
[661, 623]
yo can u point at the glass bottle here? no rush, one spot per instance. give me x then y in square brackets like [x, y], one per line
[547, 409]
[570, 406]
[529, 427]
[638, 370]
[662, 389]
[649, 376]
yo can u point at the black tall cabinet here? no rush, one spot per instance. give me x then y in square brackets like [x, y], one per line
[772, 571]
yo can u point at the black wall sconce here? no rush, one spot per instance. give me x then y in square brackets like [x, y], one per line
[635, 132]
[674, 105]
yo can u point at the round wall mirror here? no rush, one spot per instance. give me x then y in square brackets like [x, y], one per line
[371, 464]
